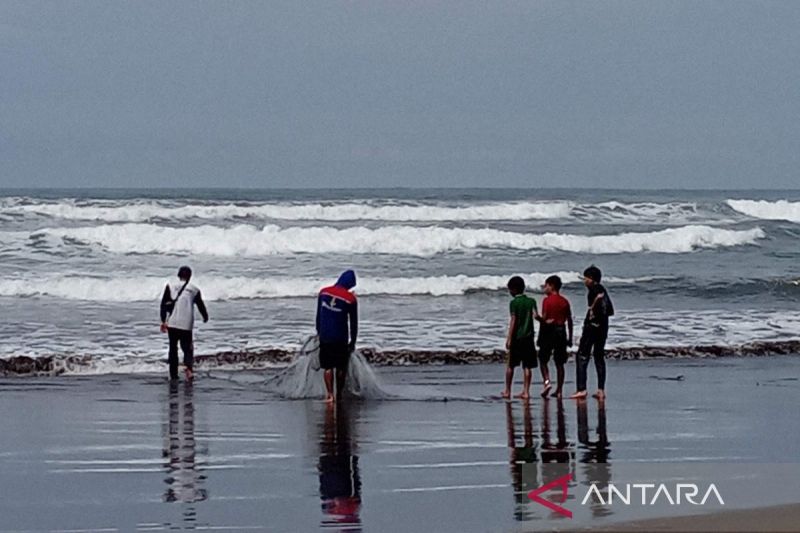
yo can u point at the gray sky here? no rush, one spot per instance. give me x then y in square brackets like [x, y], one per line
[400, 93]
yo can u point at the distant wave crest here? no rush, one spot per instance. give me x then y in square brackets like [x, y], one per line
[341, 212]
[767, 210]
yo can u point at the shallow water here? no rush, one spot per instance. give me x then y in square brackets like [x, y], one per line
[136, 453]
[683, 267]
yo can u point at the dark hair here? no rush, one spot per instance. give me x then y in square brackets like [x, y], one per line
[185, 273]
[516, 285]
[593, 273]
[554, 281]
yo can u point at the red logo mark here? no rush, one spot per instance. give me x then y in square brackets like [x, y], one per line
[563, 482]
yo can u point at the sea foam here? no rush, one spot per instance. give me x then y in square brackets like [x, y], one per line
[248, 240]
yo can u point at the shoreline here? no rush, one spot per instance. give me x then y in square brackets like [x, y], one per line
[55, 365]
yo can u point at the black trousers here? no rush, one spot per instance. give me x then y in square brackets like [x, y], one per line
[592, 346]
[184, 338]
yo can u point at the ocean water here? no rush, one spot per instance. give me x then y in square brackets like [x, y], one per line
[82, 271]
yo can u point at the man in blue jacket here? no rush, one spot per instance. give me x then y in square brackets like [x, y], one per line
[336, 307]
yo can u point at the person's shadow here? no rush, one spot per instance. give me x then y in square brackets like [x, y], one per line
[595, 456]
[339, 477]
[183, 477]
[523, 461]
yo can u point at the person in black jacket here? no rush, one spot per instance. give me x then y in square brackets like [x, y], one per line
[595, 333]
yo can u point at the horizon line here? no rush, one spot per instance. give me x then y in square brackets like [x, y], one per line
[390, 188]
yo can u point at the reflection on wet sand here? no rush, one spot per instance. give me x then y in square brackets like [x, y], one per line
[560, 451]
[594, 456]
[184, 479]
[557, 452]
[521, 456]
[556, 455]
[339, 478]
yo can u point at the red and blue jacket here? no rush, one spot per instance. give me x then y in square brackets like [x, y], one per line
[336, 306]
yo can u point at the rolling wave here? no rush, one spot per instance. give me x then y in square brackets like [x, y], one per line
[215, 288]
[247, 240]
[766, 210]
[141, 289]
[650, 212]
[337, 212]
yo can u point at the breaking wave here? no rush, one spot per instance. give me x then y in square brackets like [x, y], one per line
[248, 240]
[135, 289]
[767, 210]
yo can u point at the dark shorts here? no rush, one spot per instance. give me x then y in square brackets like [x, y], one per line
[522, 352]
[553, 343]
[334, 355]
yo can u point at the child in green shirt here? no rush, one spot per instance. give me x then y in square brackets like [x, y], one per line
[520, 338]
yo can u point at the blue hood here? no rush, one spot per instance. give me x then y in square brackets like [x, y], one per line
[347, 279]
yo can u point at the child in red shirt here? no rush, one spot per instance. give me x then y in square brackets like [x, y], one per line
[555, 335]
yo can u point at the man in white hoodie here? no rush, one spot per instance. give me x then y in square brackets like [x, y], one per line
[177, 319]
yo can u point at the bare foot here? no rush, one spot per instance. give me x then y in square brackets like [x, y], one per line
[330, 398]
[189, 373]
[556, 394]
[523, 396]
[505, 394]
[600, 395]
[580, 395]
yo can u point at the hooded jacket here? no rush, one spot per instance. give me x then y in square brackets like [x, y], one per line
[336, 306]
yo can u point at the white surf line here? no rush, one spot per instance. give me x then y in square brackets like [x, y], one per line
[159, 461]
[449, 488]
[106, 470]
[218, 460]
[223, 438]
[402, 446]
[101, 448]
[125, 432]
[198, 466]
[242, 434]
[693, 459]
[161, 527]
[146, 423]
[448, 465]
[93, 530]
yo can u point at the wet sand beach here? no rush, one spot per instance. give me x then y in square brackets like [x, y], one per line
[123, 453]
[778, 518]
